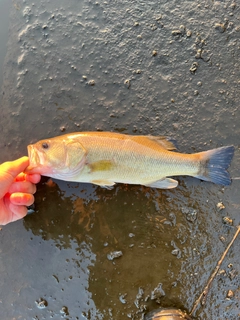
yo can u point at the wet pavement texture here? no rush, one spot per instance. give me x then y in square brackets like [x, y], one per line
[149, 67]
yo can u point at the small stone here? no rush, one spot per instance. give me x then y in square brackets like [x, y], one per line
[113, 255]
[157, 293]
[194, 67]
[220, 27]
[62, 128]
[228, 221]
[64, 311]
[138, 71]
[41, 303]
[222, 272]
[189, 33]
[175, 252]
[220, 206]
[153, 26]
[182, 28]
[198, 54]
[223, 239]
[230, 294]
[122, 298]
[127, 83]
[91, 82]
[154, 53]
[176, 33]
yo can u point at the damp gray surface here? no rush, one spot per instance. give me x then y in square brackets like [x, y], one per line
[4, 18]
[161, 68]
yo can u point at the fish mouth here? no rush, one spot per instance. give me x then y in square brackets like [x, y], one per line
[34, 161]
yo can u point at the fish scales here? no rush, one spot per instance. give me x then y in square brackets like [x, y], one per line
[132, 159]
[106, 158]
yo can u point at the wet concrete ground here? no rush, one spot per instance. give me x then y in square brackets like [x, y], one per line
[169, 68]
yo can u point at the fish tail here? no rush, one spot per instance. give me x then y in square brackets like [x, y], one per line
[214, 164]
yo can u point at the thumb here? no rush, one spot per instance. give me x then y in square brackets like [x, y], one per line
[8, 172]
[13, 168]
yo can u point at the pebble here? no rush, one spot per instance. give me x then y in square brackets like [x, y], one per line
[122, 298]
[230, 294]
[127, 83]
[220, 206]
[154, 53]
[91, 82]
[41, 303]
[228, 221]
[64, 311]
[220, 27]
[176, 32]
[157, 293]
[194, 67]
[113, 255]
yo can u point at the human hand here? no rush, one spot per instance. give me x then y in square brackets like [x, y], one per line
[16, 190]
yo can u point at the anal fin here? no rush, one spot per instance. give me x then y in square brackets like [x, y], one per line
[166, 183]
[104, 183]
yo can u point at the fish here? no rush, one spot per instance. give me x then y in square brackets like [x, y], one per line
[107, 158]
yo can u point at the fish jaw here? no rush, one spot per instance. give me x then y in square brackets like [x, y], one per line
[37, 162]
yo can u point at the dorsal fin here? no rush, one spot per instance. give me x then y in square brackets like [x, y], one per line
[164, 142]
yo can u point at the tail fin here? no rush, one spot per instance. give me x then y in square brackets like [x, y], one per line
[214, 165]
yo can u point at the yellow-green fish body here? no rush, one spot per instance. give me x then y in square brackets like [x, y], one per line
[106, 158]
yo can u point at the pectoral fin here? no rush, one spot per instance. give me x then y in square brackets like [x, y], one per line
[104, 183]
[166, 183]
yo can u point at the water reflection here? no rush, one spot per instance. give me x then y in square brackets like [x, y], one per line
[154, 229]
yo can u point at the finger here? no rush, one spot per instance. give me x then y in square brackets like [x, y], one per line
[34, 178]
[21, 177]
[22, 199]
[18, 212]
[23, 187]
[13, 168]
[6, 215]
[8, 172]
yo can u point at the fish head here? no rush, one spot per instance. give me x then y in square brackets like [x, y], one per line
[56, 158]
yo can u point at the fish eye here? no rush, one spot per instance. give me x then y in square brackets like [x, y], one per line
[45, 145]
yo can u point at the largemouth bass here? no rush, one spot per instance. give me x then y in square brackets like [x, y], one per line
[106, 158]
